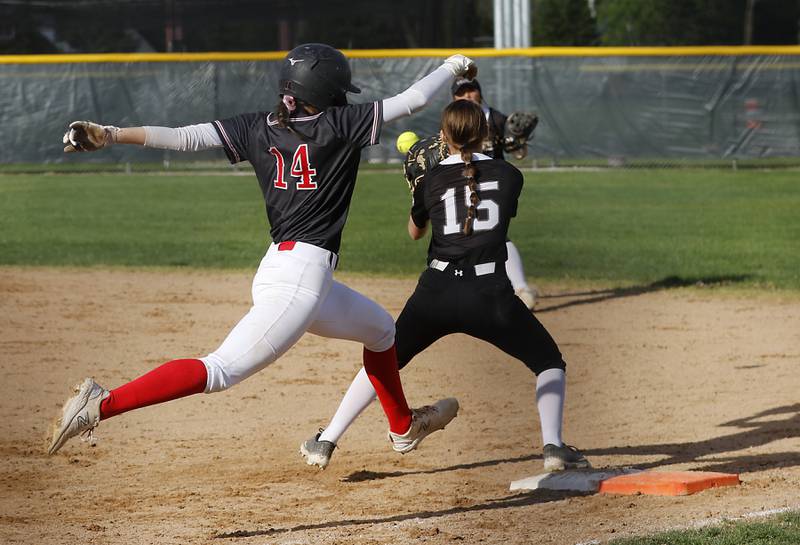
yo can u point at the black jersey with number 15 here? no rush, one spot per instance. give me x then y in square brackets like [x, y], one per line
[443, 196]
[307, 180]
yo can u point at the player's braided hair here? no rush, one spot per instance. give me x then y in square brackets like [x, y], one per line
[469, 173]
[283, 115]
[465, 128]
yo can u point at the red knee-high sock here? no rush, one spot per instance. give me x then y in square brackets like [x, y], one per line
[381, 368]
[174, 379]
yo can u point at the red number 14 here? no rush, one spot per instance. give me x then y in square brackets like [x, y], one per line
[301, 168]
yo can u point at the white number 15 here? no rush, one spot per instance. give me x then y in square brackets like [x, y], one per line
[452, 225]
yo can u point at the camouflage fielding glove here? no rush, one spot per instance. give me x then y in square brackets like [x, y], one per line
[88, 136]
[423, 156]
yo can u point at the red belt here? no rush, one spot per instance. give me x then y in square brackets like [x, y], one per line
[287, 245]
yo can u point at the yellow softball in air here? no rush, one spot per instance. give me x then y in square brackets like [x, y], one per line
[406, 140]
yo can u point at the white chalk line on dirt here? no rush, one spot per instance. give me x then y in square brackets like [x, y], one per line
[716, 521]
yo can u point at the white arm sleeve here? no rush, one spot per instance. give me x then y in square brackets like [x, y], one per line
[190, 138]
[417, 96]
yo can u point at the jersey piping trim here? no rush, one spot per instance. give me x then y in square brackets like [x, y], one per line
[227, 141]
[293, 119]
[456, 159]
[373, 139]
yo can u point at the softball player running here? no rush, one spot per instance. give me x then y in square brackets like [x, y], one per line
[305, 154]
[428, 152]
[469, 200]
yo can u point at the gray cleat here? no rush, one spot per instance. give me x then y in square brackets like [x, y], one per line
[316, 452]
[564, 457]
[80, 415]
[424, 421]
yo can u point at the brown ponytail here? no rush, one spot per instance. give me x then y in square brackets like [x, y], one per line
[284, 118]
[469, 173]
[465, 128]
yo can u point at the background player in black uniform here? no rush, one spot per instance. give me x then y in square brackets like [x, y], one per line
[494, 144]
[305, 154]
[469, 200]
[428, 152]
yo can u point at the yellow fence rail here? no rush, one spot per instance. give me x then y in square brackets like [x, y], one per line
[398, 53]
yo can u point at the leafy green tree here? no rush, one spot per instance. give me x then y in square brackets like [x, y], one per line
[671, 22]
[562, 22]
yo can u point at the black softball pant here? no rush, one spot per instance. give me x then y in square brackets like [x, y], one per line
[484, 307]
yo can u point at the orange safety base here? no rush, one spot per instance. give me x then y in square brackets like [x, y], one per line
[667, 483]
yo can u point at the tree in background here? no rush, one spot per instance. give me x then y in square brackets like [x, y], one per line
[563, 22]
[93, 26]
[695, 22]
[776, 22]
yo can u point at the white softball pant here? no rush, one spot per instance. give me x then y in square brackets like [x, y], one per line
[294, 292]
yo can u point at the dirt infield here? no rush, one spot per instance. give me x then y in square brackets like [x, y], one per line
[657, 378]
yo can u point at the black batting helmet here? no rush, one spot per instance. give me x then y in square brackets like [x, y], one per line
[317, 74]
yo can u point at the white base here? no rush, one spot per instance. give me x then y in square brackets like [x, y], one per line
[580, 480]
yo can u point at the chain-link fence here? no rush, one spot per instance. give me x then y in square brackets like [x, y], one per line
[595, 110]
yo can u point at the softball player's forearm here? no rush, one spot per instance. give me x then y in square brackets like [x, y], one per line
[420, 93]
[414, 231]
[417, 96]
[129, 135]
[189, 138]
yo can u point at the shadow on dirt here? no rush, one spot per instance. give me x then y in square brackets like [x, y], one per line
[757, 430]
[365, 475]
[670, 282]
[760, 429]
[517, 500]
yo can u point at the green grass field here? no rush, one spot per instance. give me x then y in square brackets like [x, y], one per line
[783, 529]
[620, 226]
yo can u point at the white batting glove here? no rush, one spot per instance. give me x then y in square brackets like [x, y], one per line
[88, 136]
[461, 66]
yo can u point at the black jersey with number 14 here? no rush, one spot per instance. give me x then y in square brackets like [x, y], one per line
[307, 175]
[443, 197]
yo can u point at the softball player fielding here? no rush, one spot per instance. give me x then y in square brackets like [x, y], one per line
[469, 200]
[305, 154]
[428, 152]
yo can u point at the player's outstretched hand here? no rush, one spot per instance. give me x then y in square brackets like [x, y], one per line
[88, 136]
[461, 66]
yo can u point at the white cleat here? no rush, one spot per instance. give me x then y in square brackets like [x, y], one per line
[81, 414]
[424, 421]
[528, 296]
